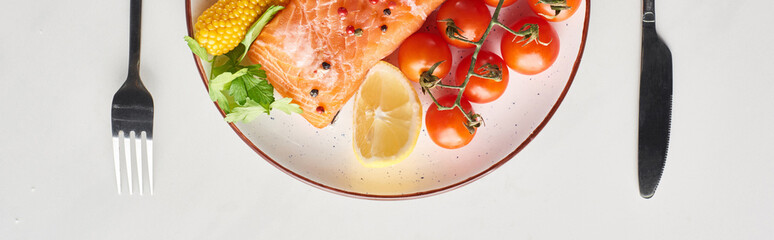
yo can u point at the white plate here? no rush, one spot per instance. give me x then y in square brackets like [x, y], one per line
[324, 157]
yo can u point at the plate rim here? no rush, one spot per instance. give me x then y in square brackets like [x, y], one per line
[413, 195]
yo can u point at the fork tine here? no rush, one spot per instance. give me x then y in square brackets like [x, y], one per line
[138, 156]
[149, 148]
[116, 160]
[128, 154]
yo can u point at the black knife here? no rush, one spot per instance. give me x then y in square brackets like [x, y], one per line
[655, 103]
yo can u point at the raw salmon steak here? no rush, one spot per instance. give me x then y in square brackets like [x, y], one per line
[311, 54]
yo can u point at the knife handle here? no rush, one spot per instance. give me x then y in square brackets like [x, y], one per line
[648, 13]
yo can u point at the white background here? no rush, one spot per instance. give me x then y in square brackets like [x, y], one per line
[61, 62]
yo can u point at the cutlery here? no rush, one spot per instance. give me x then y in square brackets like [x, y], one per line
[655, 103]
[132, 114]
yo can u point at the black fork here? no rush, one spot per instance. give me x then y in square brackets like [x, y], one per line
[132, 113]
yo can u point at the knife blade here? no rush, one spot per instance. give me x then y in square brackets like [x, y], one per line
[655, 104]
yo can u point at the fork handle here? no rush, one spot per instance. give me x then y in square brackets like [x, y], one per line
[648, 13]
[135, 24]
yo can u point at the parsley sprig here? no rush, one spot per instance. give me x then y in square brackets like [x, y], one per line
[242, 91]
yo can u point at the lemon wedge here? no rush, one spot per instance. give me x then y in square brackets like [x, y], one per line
[388, 117]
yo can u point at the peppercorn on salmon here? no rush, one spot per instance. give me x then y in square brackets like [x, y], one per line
[223, 25]
[318, 51]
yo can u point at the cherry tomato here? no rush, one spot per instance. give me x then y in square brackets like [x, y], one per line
[471, 16]
[481, 90]
[544, 10]
[535, 56]
[494, 3]
[447, 128]
[420, 51]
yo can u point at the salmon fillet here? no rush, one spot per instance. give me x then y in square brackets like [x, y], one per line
[310, 57]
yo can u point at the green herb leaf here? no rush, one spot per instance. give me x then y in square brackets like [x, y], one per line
[246, 113]
[222, 64]
[259, 90]
[235, 54]
[284, 105]
[222, 100]
[238, 90]
[257, 27]
[197, 49]
[218, 85]
[220, 82]
[256, 70]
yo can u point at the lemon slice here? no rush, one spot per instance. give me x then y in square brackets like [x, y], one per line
[388, 117]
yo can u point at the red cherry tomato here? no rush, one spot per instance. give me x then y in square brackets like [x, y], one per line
[544, 10]
[447, 128]
[535, 56]
[471, 16]
[481, 90]
[494, 3]
[420, 51]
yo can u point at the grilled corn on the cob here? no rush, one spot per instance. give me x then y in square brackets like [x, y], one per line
[223, 25]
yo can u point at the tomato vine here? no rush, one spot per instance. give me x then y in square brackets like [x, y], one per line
[428, 81]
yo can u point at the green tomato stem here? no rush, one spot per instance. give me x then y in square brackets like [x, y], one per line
[438, 105]
[449, 86]
[485, 77]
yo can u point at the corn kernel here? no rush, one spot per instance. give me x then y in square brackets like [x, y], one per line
[223, 25]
